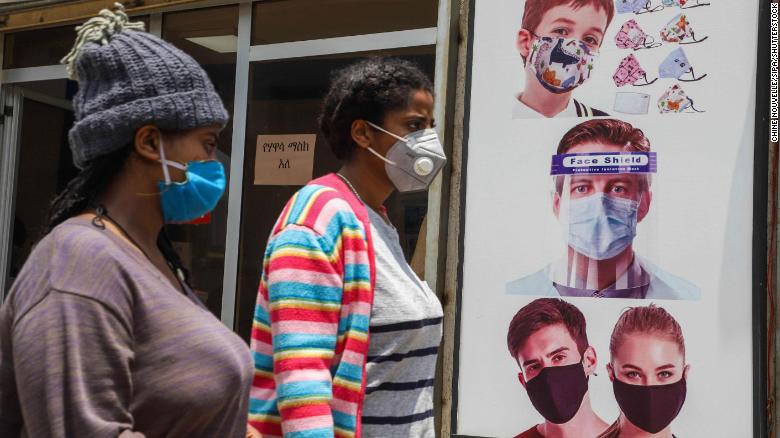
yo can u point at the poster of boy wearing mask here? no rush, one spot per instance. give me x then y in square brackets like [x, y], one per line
[548, 339]
[559, 42]
[602, 176]
[648, 371]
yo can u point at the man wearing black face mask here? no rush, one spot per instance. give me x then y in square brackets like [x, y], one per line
[548, 340]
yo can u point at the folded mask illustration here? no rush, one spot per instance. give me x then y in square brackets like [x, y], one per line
[674, 100]
[684, 4]
[679, 30]
[629, 72]
[676, 65]
[636, 6]
[631, 36]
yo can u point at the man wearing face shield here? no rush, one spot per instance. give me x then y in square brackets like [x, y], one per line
[548, 340]
[602, 177]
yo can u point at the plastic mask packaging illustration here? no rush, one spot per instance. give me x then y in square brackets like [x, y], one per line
[632, 103]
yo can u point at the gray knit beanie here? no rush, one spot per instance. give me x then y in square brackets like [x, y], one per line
[129, 78]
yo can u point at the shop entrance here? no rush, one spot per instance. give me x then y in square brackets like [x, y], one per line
[271, 65]
[37, 117]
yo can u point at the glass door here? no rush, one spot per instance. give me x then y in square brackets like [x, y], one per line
[295, 47]
[36, 162]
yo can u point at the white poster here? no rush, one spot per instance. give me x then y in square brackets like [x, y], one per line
[610, 166]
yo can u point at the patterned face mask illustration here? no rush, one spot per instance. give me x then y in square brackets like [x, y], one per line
[679, 30]
[561, 64]
[674, 100]
[676, 65]
[629, 72]
[631, 36]
[683, 4]
[635, 6]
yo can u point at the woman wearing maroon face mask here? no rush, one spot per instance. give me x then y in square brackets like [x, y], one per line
[648, 372]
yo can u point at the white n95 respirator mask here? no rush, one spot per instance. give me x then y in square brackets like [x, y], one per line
[413, 161]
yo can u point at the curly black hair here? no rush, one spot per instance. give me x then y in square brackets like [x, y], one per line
[367, 90]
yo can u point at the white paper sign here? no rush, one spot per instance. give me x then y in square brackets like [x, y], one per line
[284, 160]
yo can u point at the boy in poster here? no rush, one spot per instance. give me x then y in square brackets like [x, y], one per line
[548, 340]
[600, 214]
[648, 373]
[559, 41]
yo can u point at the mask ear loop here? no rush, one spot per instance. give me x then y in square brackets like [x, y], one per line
[166, 173]
[644, 76]
[649, 43]
[693, 107]
[695, 6]
[582, 362]
[647, 9]
[163, 162]
[370, 149]
[386, 132]
[693, 35]
[693, 75]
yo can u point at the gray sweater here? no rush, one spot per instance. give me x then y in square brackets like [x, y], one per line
[405, 330]
[95, 342]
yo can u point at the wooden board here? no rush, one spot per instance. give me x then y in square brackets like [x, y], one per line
[68, 12]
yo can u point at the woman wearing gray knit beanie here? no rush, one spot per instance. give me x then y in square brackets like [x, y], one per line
[101, 336]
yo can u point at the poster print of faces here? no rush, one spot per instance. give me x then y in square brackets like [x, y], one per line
[602, 172]
[559, 44]
[647, 367]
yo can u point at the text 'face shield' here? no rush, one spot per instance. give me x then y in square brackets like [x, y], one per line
[599, 199]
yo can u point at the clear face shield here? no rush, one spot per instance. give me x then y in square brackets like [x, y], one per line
[601, 201]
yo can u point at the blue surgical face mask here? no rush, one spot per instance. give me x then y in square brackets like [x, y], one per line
[601, 227]
[197, 195]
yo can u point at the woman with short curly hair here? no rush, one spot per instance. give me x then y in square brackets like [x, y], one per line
[345, 334]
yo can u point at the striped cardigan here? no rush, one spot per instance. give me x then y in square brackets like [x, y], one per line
[310, 328]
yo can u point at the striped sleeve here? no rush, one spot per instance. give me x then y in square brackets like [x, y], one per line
[294, 335]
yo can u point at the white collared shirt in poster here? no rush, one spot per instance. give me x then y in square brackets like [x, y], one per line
[655, 284]
[573, 109]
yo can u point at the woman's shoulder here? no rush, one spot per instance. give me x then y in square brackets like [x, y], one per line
[79, 239]
[321, 208]
[78, 258]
